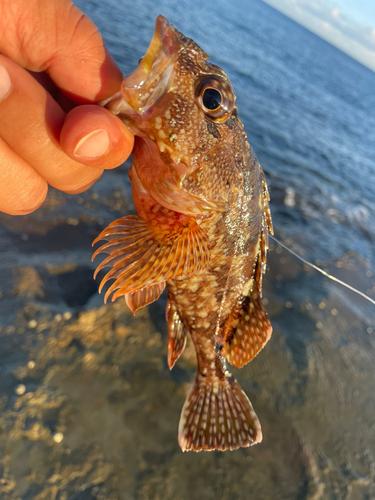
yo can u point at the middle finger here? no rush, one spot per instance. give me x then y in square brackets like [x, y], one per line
[30, 123]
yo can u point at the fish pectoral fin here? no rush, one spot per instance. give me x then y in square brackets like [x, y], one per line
[143, 253]
[176, 335]
[247, 331]
[144, 296]
[179, 199]
[217, 415]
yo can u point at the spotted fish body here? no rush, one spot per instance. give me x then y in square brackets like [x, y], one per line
[202, 230]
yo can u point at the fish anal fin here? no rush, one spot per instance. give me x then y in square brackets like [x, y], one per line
[144, 296]
[217, 415]
[176, 335]
[247, 330]
[146, 252]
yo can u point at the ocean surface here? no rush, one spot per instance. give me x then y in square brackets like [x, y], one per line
[89, 409]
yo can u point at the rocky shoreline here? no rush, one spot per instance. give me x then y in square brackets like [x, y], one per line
[89, 409]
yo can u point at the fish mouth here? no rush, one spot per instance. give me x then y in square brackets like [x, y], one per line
[141, 90]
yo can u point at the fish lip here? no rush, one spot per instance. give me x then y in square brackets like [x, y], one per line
[143, 88]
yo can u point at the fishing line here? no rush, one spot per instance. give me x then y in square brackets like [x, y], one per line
[333, 278]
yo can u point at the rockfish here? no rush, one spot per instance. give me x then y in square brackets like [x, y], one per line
[202, 229]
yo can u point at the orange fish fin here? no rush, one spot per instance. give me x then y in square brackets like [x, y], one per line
[247, 331]
[143, 253]
[217, 415]
[267, 228]
[144, 296]
[176, 334]
[176, 198]
[266, 206]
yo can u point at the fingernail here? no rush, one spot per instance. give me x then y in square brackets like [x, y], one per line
[5, 83]
[94, 144]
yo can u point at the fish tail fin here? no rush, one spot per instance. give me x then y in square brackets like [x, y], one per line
[217, 415]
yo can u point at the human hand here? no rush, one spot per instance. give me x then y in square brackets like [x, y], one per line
[44, 137]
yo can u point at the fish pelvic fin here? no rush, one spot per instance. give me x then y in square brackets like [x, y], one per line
[217, 415]
[176, 335]
[247, 330]
[143, 252]
[144, 296]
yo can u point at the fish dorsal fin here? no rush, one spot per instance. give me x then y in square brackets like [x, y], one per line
[266, 206]
[247, 330]
[144, 296]
[217, 415]
[176, 334]
[267, 228]
[143, 253]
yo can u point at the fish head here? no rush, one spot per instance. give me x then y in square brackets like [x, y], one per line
[173, 103]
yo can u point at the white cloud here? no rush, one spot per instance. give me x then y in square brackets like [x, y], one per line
[335, 12]
[325, 19]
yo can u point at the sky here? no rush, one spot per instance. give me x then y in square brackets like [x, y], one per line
[347, 24]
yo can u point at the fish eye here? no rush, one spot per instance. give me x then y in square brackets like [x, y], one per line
[211, 99]
[215, 97]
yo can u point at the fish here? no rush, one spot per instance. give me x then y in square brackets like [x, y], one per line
[201, 230]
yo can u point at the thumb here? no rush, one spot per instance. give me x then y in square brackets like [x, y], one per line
[94, 136]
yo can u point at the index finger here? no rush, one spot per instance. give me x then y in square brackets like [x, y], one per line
[56, 37]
